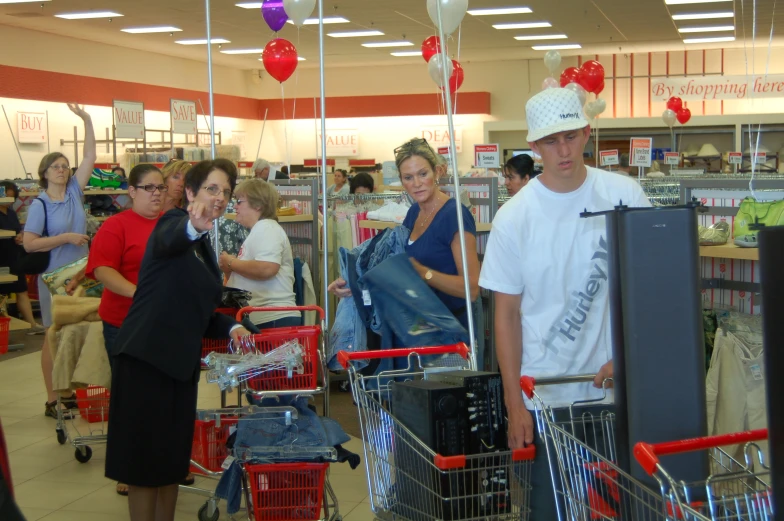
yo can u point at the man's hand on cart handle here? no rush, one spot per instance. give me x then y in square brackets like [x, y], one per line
[605, 373]
[520, 430]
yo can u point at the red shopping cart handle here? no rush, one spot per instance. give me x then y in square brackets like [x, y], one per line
[251, 309]
[345, 358]
[647, 454]
[529, 383]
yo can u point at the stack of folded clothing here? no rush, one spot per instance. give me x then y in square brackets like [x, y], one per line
[390, 212]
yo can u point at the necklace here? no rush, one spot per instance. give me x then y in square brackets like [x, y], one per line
[426, 219]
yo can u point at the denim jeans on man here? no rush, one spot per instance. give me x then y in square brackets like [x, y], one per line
[545, 474]
[281, 322]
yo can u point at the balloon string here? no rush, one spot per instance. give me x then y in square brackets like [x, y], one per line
[459, 37]
[290, 146]
[285, 123]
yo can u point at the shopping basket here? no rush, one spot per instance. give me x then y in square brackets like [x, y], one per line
[287, 491]
[93, 403]
[734, 490]
[309, 338]
[5, 323]
[587, 482]
[209, 443]
[406, 478]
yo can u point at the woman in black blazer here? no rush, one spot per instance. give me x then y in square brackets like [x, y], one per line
[155, 373]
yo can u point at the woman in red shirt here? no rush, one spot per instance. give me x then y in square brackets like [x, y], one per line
[117, 250]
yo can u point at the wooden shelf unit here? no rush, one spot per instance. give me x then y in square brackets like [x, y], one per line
[730, 251]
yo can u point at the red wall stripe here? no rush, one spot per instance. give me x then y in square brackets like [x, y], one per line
[22, 83]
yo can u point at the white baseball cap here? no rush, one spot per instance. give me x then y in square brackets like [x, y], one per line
[552, 111]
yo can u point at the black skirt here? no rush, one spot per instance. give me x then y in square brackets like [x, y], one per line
[151, 422]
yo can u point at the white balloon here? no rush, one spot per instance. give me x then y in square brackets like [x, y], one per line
[435, 69]
[577, 89]
[299, 10]
[552, 60]
[669, 117]
[590, 110]
[550, 83]
[599, 106]
[452, 13]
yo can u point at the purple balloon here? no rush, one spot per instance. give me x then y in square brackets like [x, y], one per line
[274, 14]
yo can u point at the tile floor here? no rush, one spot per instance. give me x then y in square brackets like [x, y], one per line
[50, 485]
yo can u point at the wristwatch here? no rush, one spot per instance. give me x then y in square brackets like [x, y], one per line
[428, 275]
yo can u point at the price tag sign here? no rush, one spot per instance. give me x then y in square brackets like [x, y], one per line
[641, 148]
[487, 156]
[734, 158]
[443, 152]
[608, 157]
[672, 158]
[760, 158]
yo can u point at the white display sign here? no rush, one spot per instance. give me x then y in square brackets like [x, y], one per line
[702, 88]
[341, 142]
[487, 156]
[760, 158]
[183, 117]
[641, 148]
[608, 157]
[438, 136]
[128, 119]
[734, 158]
[672, 158]
[31, 127]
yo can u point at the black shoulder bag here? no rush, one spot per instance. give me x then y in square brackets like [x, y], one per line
[35, 263]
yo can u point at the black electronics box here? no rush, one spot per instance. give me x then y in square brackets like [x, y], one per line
[486, 410]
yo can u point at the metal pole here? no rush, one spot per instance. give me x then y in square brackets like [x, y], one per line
[212, 113]
[446, 73]
[24, 170]
[325, 244]
[263, 125]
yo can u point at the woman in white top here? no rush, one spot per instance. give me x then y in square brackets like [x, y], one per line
[265, 264]
[341, 184]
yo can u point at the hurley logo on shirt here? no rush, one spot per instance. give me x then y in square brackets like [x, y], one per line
[566, 330]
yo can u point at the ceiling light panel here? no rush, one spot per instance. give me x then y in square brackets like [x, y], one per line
[710, 40]
[499, 11]
[202, 41]
[327, 20]
[88, 15]
[155, 29]
[703, 16]
[525, 25]
[242, 51]
[707, 29]
[387, 44]
[542, 37]
[249, 5]
[683, 2]
[406, 53]
[355, 34]
[556, 47]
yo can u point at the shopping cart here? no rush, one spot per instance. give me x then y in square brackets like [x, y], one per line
[89, 426]
[407, 479]
[734, 490]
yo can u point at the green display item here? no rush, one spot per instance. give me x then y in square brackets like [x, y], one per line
[751, 213]
[105, 179]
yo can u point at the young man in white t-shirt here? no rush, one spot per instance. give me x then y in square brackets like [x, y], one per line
[548, 269]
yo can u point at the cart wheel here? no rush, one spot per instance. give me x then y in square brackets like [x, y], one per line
[61, 437]
[204, 516]
[83, 454]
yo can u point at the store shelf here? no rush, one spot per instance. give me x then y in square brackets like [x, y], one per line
[281, 219]
[6, 199]
[18, 325]
[34, 193]
[7, 234]
[383, 225]
[729, 251]
[8, 278]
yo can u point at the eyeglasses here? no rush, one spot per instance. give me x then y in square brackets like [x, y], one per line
[60, 167]
[238, 202]
[151, 188]
[215, 190]
[411, 145]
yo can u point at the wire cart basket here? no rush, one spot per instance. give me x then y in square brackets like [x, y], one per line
[88, 426]
[587, 482]
[409, 481]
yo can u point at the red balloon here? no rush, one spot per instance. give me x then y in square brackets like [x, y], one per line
[569, 75]
[675, 104]
[457, 77]
[683, 115]
[280, 59]
[430, 47]
[591, 76]
[600, 88]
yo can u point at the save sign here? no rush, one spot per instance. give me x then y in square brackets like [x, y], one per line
[183, 117]
[128, 119]
[31, 127]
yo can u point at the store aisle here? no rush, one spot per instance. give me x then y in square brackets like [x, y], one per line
[50, 485]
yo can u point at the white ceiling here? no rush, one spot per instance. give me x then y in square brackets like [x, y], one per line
[600, 26]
